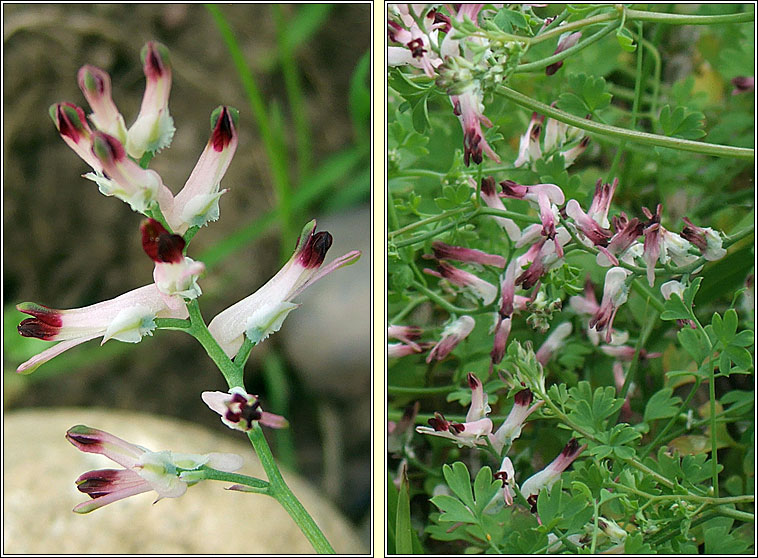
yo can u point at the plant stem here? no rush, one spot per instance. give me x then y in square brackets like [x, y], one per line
[278, 489]
[257, 485]
[631, 135]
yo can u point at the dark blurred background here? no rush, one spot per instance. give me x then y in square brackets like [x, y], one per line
[67, 246]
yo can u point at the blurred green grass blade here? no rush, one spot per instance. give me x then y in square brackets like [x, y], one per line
[357, 190]
[278, 397]
[392, 495]
[294, 90]
[324, 178]
[308, 19]
[277, 158]
[360, 98]
[403, 529]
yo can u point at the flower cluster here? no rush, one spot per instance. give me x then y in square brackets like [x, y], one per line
[119, 158]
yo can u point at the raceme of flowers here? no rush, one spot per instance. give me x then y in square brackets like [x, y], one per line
[421, 36]
[119, 156]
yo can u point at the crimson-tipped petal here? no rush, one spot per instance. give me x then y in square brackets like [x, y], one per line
[159, 244]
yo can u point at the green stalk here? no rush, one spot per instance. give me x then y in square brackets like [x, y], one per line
[278, 489]
[622, 133]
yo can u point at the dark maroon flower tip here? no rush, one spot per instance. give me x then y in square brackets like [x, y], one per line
[313, 253]
[438, 422]
[82, 438]
[473, 381]
[155, 60]
[523, 397]
[416, 47]
[46, 315]
[456, 428]
[92, 80]
[501, 475]
[532, 501]
[513, 189]
[107, 148]
[32, 327]
[440, 18]
[223, 121]
[571, 448]
[98, 483]
[69, 119]
[457, 108]
[488, 186]
[554, 67]
[472, 150]
[392, 29]
[159, 244]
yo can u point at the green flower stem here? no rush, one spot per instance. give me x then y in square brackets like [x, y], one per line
[256, 485]
[634, 15]
[413, 173]
[244, 353]
[622, 133]
[155, 213]
[278, 489]
[425, 236]
[261, 113]
[172, 323]
[428, 220]
[188, 236]
[545, 62]
[420, 391]
[144, 161]
[281, 492]
[745, 499]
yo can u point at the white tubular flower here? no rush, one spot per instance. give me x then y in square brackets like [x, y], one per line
[550, 474]
[239, 410]
[127, 318]
[554, 341]
[197, 203]
[175, 274]
[453, 334]
[153, 129]
[263, 312]
[511, 428]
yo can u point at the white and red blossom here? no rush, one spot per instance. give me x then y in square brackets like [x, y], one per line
[587, 225]
[197, 203]
[479, 287]
[653, 241]
[507, 475]
[469, 109]
[406, 334]
[263, 312]
[153, 129]
[239, 410]
[452, 335]
[554, 341]
[548, 476]
[546, 197]
[96, 87]
[166, 472]
[175, 274]
[444, 251]
[127, 318]
[477, 426]
[125, 179]
[615, 292]
[627, 232]
[71, 122]
[706, 240]
[502, 331]
[529, 144]
[566, 41]
[511, 427]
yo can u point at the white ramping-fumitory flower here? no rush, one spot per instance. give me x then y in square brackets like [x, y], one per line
[263, 312]
[70, 121]
[477, 426]
[153, 129]
[239, 410]
[175, 274]
[546, 197]
[554, 341]
[168, 473]
[197, 203]
[469, 108]
[615, 291]
[566, 41]
[453, 334]
[125, 179]
[556, 139]
[444, 251]
[493, 200]
[707, 240]
[511, 428]
[550, 474]
[127, 318]
[479, 287]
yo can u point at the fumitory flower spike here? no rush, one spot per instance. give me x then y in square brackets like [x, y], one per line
[263, 312]
[165, 472]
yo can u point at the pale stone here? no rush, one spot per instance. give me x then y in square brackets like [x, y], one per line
[40, 467]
